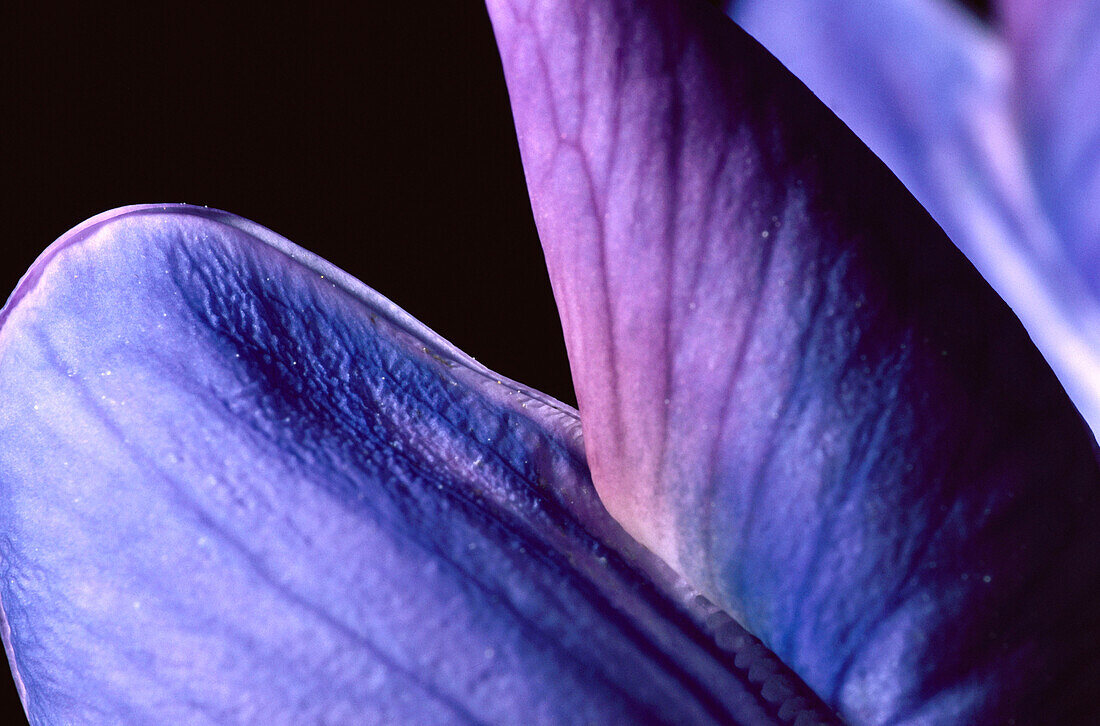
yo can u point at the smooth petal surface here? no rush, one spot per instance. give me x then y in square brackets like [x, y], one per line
[793, 386]
[240, 487]
[1056, 52]
[932, 92]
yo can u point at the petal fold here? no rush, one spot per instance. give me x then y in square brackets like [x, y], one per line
[793, 386]
[240, 487]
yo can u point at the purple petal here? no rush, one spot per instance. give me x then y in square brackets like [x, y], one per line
[793, 387]
[1056, 54]
[240, 487]
[929, 90]
[921, 82]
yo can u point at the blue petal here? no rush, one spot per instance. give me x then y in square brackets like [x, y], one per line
[240, 487]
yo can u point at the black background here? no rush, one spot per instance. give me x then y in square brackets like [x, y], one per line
[379, 137]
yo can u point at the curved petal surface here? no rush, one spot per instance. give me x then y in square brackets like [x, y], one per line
[793, 386]
[240, 487]
[930, 91]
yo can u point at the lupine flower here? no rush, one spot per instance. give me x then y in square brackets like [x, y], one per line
[239, 486]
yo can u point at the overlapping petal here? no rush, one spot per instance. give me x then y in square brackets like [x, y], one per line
[240, 487]
[943, 101]
[922, 83]
[793, 386]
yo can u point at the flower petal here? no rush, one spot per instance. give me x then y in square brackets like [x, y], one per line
[793, 387]
[1056, 53]
[921, 82]
[929, 90]
[238, 486]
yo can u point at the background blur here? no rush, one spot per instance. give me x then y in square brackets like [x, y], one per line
[379, 137]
